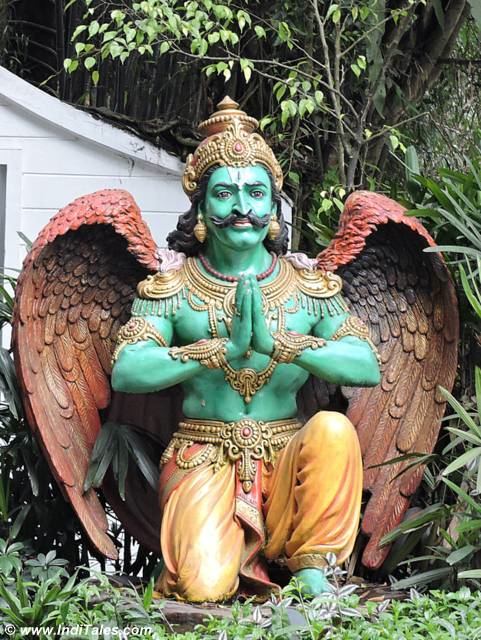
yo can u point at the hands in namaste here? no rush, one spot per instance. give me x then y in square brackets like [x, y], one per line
[249, 328]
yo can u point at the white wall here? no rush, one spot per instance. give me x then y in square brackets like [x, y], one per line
[53, 153]
[48, 167]
[3, 202]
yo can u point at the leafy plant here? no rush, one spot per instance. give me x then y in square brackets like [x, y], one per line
[28, 603]
[9, 557]
[93, 605]
[323, 216]
[47, 566]
[452, 207]
[439, 615]
[451, 204]
[115, 444]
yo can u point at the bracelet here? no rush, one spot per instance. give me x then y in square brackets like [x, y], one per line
[210, 353]
[136, 330]
[288, 345]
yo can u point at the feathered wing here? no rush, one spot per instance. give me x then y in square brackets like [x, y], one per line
[74, 293]
[408, 300]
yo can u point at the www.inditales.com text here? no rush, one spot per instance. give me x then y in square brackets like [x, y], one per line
[101, 631]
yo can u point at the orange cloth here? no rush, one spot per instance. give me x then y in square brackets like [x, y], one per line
[312, 500]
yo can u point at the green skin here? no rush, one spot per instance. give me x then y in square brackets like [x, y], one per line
[239, 250]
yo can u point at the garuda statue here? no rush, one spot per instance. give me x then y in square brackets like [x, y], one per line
[227, 353]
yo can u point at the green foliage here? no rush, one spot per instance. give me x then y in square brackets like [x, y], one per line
[52, 601]
[212, 32]
[451, 205]
[440, 616]
[115, 444]
[25, 602]
[85, 605]
[47, 566]
[9, 557]
[448, 126]
[327, 71]
[323, 216]
[326, 202]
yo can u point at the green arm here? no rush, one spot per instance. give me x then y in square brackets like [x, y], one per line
[144, 367]
[349, 361]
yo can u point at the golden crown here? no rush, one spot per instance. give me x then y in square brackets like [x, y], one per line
[230, 141]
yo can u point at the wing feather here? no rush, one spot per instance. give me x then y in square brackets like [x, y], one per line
[72, 296]
[407, 297]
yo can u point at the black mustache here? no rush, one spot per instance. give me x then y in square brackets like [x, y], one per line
[256, 221]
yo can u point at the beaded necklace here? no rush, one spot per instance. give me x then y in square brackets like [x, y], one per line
[221, 276]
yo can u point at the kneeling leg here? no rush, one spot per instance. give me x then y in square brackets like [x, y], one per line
[201, 541]
[315, 493]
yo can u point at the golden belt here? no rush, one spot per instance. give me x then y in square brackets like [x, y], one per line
[245, 441]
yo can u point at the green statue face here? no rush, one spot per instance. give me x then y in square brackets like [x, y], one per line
[238, 205]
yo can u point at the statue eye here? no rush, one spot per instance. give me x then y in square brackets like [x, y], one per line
[257, 193]
[223, 195]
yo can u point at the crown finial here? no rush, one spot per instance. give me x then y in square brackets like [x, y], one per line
[227, 103]
[227, 111]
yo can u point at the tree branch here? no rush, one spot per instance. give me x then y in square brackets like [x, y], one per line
[334, 92]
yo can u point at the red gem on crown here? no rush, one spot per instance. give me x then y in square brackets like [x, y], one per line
[238, 147]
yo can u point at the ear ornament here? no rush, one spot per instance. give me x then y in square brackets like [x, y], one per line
[200, 229]
[274, 228]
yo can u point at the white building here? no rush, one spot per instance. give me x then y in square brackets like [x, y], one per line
[51, 153]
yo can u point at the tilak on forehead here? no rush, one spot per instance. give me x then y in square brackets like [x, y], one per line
[240, 179]
[230, 142]
[241, 176]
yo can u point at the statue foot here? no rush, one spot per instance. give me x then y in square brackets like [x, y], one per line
[314, 581]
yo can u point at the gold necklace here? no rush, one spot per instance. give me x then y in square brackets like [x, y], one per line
[220, 296]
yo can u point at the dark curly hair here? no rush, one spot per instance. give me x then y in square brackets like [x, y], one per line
[183, 239]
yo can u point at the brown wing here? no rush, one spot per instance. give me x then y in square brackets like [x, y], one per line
[408, 299]
[73, 294]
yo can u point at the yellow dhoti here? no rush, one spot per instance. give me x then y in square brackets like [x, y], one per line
[303, 505]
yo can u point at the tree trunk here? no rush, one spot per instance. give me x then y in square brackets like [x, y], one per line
[428, 44]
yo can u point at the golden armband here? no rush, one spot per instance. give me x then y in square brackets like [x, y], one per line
[288, 345]
[136, 330]
[210, 353]
[354, 326]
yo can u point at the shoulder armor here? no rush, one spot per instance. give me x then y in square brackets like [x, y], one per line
[161, 285]
[160, 294]
[319, 292]
[316, 283]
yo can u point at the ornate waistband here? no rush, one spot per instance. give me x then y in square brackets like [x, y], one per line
[245, 441]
